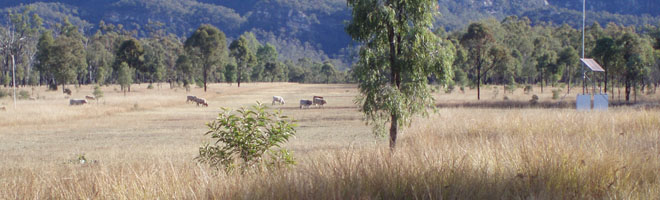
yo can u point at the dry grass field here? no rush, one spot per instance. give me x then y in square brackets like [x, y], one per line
[141, 146]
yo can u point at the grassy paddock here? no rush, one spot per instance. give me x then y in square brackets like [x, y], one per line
[464, 153]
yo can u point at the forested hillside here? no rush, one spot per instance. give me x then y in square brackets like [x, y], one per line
[312, 29]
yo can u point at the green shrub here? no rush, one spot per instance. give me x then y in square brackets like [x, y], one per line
[23, 95]
[98, 93]
[556, 93]
[3, 93]
[496, 92]
[510, 88]
[528, 89]
[449, 89]
[242, 138]
[150, 86]
[199, 83]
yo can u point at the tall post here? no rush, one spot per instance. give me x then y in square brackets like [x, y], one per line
[583, 25]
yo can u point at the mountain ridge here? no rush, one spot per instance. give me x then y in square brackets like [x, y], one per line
[316, 25]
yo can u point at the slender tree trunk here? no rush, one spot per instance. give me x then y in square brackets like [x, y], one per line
[634, 86]
[394, 124]
[627, 90]
[479, 83]
[240, 74]
[394, 129]
[605, 82]
[205, 78]
[568, 88]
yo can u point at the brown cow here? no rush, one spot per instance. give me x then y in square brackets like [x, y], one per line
[201, 101]
[191, 99]
[319, 101]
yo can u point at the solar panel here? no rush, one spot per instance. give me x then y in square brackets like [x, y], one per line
[592, 64]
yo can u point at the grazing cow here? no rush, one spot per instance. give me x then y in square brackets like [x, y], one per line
[191, 99]
[319, 102]
[305, 103]
[3, 108]
[74, 102]
[67, 91]
[201, 101]
[91, 98]
[278, 99]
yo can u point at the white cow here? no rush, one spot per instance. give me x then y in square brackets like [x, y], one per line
[74, 102]
[278, 99]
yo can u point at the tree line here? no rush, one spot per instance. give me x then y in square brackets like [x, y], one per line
[512, 51]
[113, 55]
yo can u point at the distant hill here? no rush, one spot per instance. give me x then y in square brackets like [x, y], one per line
[314, 28]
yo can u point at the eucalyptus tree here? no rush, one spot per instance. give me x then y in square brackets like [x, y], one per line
[328, 69]
[45, 59]
[207, 48]
[125, 76]
[267, 57]
[568, 58]
[637, 56]
[245, 58]
[130, 52]
[27, 27]
[273, 69]
[399, 51]
[61, 60]
[70, 53]
[607, 52]
[477, 41]
[99, 59]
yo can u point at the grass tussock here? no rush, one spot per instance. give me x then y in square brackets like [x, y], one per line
[457, 154]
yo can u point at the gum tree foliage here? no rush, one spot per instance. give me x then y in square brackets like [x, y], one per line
[243, 137]
[45, 59]
[207, 48]
[131, 52]
[245, 58]
[99, 59]
[399, 52]
[267, 58]
[25, 24]
[328, 70]
[61, 59]
[569, 59]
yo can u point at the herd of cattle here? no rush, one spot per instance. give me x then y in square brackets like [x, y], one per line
[316, 101]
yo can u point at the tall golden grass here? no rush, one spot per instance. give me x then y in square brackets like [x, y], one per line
[458, 153]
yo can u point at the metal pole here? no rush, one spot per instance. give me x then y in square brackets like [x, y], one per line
[13, 77]
[583, 25]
